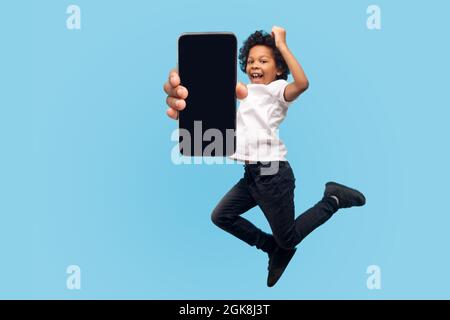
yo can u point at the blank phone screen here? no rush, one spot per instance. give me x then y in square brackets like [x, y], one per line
[207, 68]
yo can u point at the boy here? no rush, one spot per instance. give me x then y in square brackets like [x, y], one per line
[267, 61]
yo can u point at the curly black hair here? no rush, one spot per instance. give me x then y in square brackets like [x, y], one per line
[263, 38]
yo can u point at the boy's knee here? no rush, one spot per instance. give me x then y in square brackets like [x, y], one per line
[217, 217]
[222, 217]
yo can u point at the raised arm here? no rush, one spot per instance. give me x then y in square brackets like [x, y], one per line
[301, 83]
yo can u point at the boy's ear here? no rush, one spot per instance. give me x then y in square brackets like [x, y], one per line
[279, 72]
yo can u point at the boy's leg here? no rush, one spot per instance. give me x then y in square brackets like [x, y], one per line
[335, 196]
[276, 200]
[288, 231]
[275, 196]
[314, 217]
[227, 216]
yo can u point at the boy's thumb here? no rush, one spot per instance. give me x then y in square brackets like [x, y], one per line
[241, 91]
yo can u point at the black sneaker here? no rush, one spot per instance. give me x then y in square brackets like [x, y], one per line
[348, 197]
[278, 261]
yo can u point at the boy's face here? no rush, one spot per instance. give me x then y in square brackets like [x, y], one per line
[261, 67]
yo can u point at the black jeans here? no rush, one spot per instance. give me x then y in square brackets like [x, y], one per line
[274, 194]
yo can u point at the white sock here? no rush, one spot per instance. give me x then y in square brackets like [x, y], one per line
[335, 198]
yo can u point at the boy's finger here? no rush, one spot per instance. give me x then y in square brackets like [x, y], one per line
[241, 91]
[177, 104]
[167, 88]
[174, 78]
[181, 92]
[172, 113]
[178, 92]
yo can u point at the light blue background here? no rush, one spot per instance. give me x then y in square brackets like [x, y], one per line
[86, 176]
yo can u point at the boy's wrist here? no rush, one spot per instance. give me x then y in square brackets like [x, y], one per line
[282, 47]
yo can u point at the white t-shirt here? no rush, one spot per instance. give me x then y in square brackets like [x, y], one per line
[258, 118]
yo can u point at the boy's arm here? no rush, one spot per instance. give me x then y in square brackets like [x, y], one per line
[301, 83]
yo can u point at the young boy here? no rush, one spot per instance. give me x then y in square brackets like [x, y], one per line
[267, 61]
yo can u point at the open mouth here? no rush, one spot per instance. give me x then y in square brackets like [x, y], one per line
[256, 75]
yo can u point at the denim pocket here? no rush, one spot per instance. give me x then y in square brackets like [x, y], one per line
[274, 186]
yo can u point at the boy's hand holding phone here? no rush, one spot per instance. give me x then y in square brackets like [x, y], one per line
[176, 94]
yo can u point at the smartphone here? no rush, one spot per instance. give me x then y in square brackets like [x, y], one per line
[207, 65]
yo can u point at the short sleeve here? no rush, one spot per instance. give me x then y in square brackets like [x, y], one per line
[277, 90]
